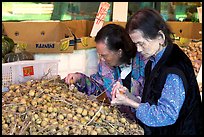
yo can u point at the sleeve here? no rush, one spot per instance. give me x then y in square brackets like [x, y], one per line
[97, 82]
[167, 110]
[91, 85]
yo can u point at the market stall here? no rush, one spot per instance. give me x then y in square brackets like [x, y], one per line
[38, 55]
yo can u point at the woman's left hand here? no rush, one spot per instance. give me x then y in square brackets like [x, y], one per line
[119, 96]
[120, 99]
[117, 86]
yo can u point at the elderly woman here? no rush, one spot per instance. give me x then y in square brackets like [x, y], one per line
[118, 62]
[170, 103]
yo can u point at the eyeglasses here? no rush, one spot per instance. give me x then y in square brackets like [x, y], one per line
[141, 44]
[104, 56]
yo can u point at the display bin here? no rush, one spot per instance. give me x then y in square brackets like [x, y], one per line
[22, 71]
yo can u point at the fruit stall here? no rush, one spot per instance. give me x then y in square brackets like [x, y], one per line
[35, 100]
[38, 55]
[44, 107]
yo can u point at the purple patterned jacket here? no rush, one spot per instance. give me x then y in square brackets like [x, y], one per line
[105, 77]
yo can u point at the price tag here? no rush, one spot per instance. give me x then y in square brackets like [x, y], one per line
[100, 16]
[28, 71]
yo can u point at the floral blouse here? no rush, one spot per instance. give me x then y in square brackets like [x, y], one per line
[105, 77]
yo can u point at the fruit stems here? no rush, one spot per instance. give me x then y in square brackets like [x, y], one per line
[95, 114]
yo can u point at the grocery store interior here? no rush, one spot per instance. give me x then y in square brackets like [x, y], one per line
[48, 40]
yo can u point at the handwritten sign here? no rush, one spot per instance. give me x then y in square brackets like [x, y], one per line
[100, 16]
[28, 71]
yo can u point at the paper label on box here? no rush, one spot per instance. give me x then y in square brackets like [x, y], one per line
[28, 71]
[84, 41]
[22, 45]
[64, 44]
[99, 20]
[45, 45]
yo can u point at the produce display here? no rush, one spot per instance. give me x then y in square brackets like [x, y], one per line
[7, 45]
[194, 51]
[11, 51]
[23, 55]
[50, 107]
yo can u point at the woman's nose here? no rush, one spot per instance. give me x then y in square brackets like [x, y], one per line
[102, 58]
[139, 49]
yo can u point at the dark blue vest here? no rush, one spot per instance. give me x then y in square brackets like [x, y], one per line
[190, 118]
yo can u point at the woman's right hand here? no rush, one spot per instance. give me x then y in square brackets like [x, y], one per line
[118, 87]
[72, 78]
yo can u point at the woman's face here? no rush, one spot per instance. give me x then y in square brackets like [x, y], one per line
[147, 47]
[110, 57]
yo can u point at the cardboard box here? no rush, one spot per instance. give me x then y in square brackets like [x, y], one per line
[51, 36]
[81, 29]
[189, 30]
[40, 37]
[86, 43]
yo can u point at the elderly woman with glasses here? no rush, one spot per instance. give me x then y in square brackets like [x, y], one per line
[170, 100]
[119, 61]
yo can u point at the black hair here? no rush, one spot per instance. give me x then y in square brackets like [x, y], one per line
[149, 21]
[115, 37]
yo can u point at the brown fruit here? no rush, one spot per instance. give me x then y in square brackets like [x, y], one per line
[5, 126]
[69, 116]
[98, 130]
[123, 120]
[29, 83]
[32, 93]
[121, 129]
[79, 110]
[103, 116]
[35, 116]
[84, 113]
[44, 123]
[23, 101]
[60, 117]
[111, 130]
[93, 132]
[34, 102]
[50, 109]
[91, 113]
[8, 94]
[84, 132]
[38, 121]
[21, 109]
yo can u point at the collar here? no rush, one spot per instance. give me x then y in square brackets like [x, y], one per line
[123, 66]
[125, 70]
[155, 58]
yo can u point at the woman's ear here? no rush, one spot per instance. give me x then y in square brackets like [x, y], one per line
[161, 36]
[120, 52]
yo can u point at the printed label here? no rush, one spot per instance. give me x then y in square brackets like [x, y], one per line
[28, 71]
[45, 45]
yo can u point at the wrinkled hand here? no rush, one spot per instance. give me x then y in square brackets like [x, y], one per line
[118, 96]
[118, 87]
[120, 99]
[72, 78]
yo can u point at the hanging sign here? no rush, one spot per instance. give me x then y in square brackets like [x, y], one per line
[100, 16]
